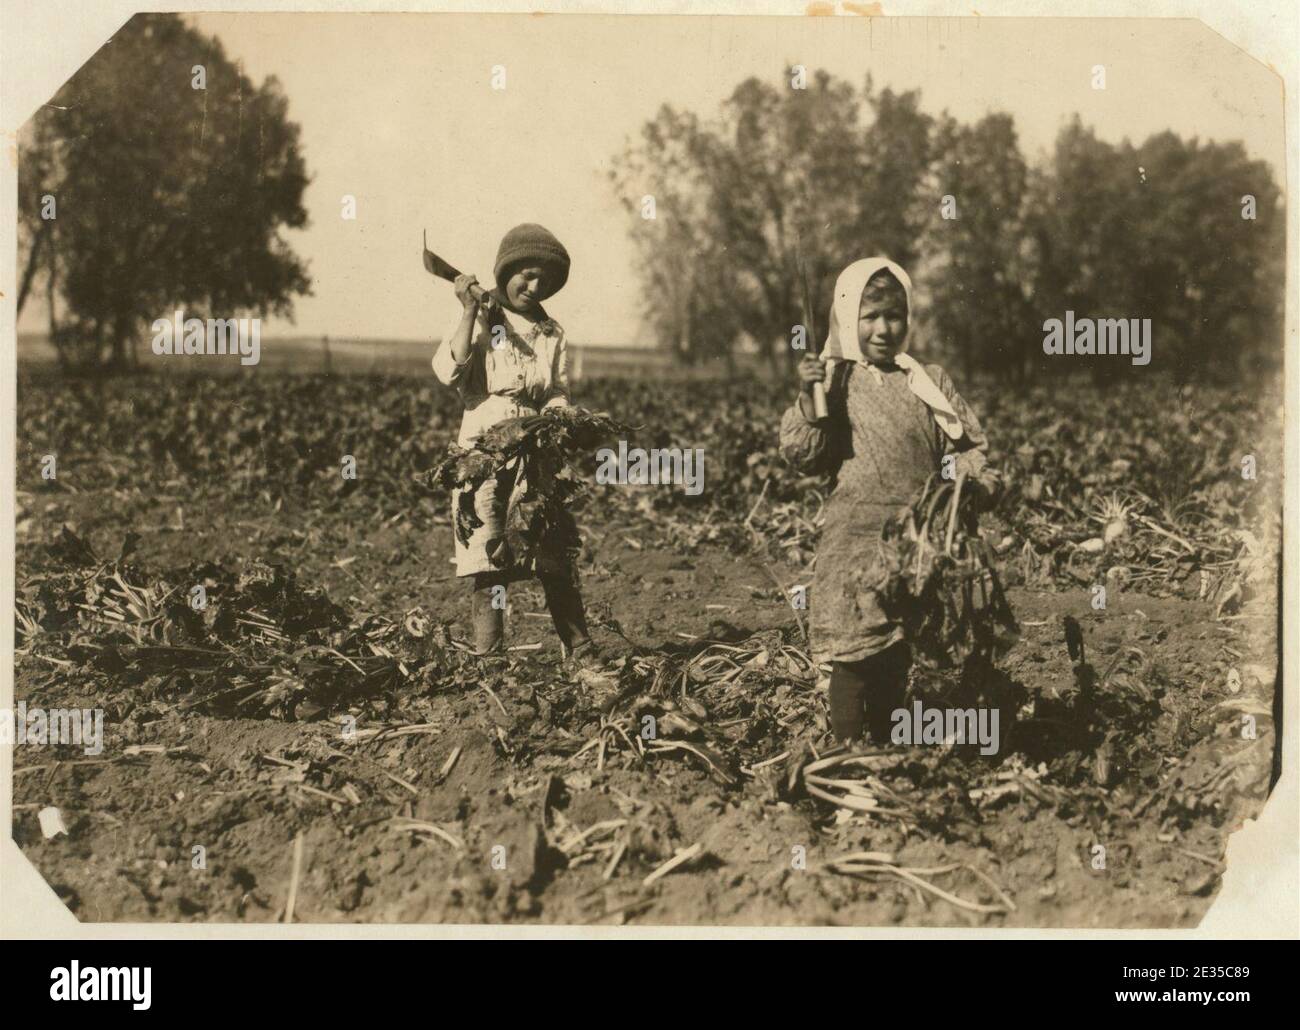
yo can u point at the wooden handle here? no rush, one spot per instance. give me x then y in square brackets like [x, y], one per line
[820, 410]
[819, 400]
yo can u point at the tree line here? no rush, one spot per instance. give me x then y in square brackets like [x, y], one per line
[730, 214]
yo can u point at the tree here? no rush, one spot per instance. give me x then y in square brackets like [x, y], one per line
[978, 273]
[783, 173]
[828, 174]
[1213, 278]
[799, 176]
[687, 284]
[164, 194]
[1156, 231]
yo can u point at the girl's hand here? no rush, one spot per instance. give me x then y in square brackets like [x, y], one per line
[462, 284]
[987, 487]
[810, 370]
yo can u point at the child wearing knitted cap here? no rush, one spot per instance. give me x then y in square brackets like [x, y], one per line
[507, 357]
[889, 426]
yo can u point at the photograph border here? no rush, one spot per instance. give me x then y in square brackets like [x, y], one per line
[43, 44]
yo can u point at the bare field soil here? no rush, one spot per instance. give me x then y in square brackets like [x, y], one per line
[508, 790]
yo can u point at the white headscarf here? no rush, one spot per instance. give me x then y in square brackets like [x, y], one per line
[843, 344]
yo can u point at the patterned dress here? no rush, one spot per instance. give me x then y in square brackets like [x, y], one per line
[520, 371]
[879, 444]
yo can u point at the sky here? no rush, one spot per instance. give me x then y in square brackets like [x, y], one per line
[398, 111]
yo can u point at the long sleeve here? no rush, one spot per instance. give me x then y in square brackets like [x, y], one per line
[446, 368]
[558, 394]
[805, 444]
[972, 449]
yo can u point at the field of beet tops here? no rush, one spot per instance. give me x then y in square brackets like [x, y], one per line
[316, 743]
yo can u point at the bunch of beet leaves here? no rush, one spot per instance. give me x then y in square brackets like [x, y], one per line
[536, 461]
[939, 581]
[216, 637]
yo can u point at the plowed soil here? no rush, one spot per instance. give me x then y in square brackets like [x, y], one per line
[201, 825]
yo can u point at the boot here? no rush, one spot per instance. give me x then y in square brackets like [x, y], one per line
[489, 621]
[564, 602]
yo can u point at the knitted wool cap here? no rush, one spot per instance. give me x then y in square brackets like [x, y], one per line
[529, 243]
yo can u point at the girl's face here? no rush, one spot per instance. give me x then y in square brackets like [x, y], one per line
[527, 287]
[882, 325]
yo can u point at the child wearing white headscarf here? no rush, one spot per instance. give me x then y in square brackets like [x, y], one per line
[890, 423]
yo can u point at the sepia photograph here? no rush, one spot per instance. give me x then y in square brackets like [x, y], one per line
[631, 471]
